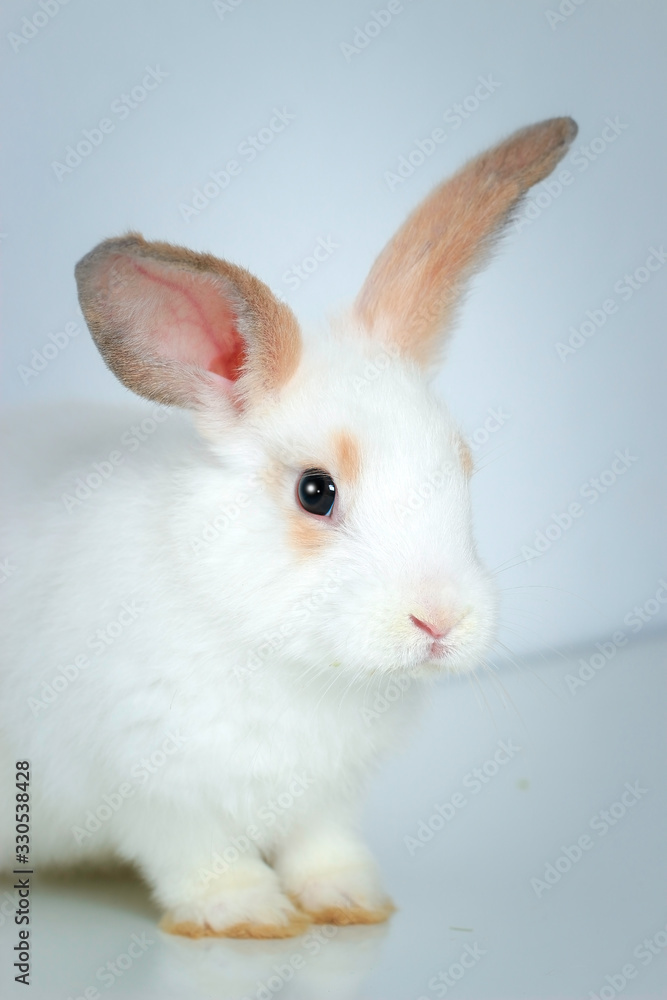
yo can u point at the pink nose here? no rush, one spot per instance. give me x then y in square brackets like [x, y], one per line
[433, 630]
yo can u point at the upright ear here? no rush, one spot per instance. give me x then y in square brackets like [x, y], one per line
[176, 326]
[413, 289]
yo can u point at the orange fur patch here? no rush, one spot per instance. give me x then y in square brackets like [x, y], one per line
[344, 916]
[347, 456]
[305, 535]
[298, 924]
[415, 285]
[271, 475]
[467, 461]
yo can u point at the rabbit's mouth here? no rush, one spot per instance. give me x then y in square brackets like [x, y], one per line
[442, 656]
[458, 649]
[443, 641]
[440, 649]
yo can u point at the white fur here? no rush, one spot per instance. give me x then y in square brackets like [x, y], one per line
[259, 713]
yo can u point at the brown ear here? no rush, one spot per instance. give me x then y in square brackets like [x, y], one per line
[415, 285]
[175, 326]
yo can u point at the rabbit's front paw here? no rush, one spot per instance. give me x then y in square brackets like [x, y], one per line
[253, 911]
[349, 895]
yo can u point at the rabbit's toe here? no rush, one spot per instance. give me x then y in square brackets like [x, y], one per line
[251, 912]
[343, 896]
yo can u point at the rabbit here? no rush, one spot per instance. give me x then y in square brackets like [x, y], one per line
[222, 609]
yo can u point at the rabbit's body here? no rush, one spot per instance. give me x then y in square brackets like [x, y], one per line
[142, 613]
[212, 633]
[196, 635]
[162, 660]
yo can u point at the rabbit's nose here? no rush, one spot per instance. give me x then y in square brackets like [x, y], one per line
[437, 630]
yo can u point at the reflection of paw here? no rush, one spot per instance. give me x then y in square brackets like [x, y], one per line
[343, 896]
[252, 912]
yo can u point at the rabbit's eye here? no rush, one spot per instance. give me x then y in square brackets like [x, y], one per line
[316, 492]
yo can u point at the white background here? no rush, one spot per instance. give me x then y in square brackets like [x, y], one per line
[324, 176]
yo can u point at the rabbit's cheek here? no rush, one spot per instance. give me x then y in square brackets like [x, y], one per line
[306, 536]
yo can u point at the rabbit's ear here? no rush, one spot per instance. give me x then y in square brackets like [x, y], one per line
[176, 326]
[413, 289]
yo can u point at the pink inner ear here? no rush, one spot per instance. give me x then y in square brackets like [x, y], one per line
[187, 318]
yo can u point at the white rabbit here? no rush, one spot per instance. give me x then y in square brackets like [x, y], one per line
[200, 611]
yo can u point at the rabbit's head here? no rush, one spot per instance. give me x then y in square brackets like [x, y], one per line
[355, 551]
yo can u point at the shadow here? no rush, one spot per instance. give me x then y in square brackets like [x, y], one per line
[115, 887]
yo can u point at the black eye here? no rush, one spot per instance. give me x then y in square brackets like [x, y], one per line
[316, 492]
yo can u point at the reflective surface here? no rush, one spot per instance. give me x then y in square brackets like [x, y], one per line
[541, 874]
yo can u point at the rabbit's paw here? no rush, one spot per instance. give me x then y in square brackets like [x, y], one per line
[342, 896]
[257, 911]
